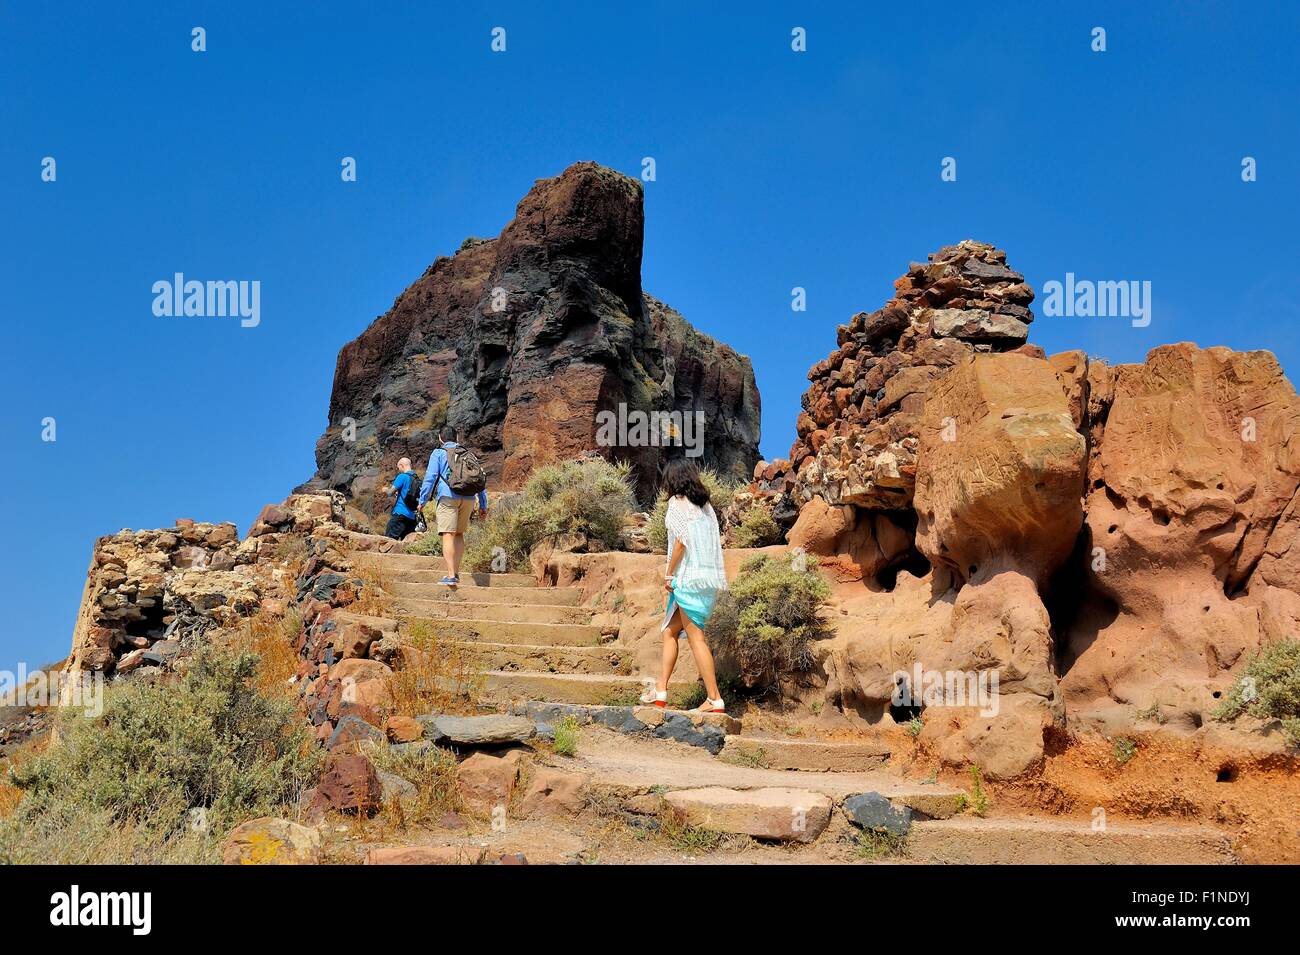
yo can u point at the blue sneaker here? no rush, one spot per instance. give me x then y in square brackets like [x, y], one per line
[449, 581]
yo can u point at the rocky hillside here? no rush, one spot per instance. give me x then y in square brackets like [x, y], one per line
[519, 341]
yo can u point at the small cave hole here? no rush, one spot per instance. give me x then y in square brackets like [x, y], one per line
[973, 569]
[914, 563]
[905, 712]
[1216, 694]
[1160, 517]
[1226, 774]
[1112, 529]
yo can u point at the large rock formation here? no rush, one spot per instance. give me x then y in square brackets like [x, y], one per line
[519, 341]
[1191, 504]
[1108, 541]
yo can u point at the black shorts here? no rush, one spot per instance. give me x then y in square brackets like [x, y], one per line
[399, 526]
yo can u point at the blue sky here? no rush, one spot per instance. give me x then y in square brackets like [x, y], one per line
[775, 169]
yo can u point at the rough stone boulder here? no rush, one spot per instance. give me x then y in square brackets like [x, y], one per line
[1000, 469]
[519, 341]
[271, 841]
[1190, 522]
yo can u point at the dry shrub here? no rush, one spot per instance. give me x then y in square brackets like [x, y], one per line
[589, 498]
[209, 741]
[435, 675]
[1269, 689]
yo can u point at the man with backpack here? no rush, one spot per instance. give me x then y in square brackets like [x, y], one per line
[455, 480]
[407, 488]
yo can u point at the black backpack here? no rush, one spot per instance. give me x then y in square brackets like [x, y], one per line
[465, 476]
[411, 499]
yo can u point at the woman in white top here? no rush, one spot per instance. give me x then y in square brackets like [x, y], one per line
[693, 579]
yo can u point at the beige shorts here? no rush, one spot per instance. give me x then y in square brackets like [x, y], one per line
[453, 514]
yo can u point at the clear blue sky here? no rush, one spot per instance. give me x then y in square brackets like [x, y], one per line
[775, 169]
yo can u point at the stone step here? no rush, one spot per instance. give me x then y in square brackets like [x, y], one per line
[787, 815]
[510, 613]
[412, 583]
[590, 688]
[691, 727]
[487, 631]
[634, 763]
[804, 754]
[974, 841]
[504, 631]
[389, 563]
[521, 656]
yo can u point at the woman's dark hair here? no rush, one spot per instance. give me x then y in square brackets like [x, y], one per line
[682, 477]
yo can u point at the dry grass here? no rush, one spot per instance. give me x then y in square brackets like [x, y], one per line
[291, 550]
[436, 675]
[373, 600]
[271, 637]
[432, 772]
[11, 795]
[434, 417]
[78, 835]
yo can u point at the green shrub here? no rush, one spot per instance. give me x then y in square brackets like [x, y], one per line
[720, 495]
[1269, 689]
[757, 529]
[979, 800]
[873, 844]
[1125, 749]
[768, 619]
[159, 750]
[430, 545]
[566, 736]
[590, 497]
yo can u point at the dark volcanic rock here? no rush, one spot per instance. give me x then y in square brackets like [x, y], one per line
[519, 341]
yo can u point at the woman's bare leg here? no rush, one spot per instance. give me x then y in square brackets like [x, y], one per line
[703, 657]
[670, 633]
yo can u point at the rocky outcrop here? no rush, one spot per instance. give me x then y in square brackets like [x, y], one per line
[152, 595]
[1108, 541]
[148, 591]
[857, 433]
[519, 341]
[1187, 564]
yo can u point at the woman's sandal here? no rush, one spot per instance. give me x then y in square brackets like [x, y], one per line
[657, 697]
[712, 706]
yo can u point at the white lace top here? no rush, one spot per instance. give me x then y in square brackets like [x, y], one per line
[701, 567]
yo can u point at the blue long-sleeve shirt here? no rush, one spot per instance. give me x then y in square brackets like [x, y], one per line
[435, 479]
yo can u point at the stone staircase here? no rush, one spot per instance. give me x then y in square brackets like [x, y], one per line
[543, 658]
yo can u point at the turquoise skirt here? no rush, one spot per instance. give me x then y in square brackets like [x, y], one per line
[697, 604]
